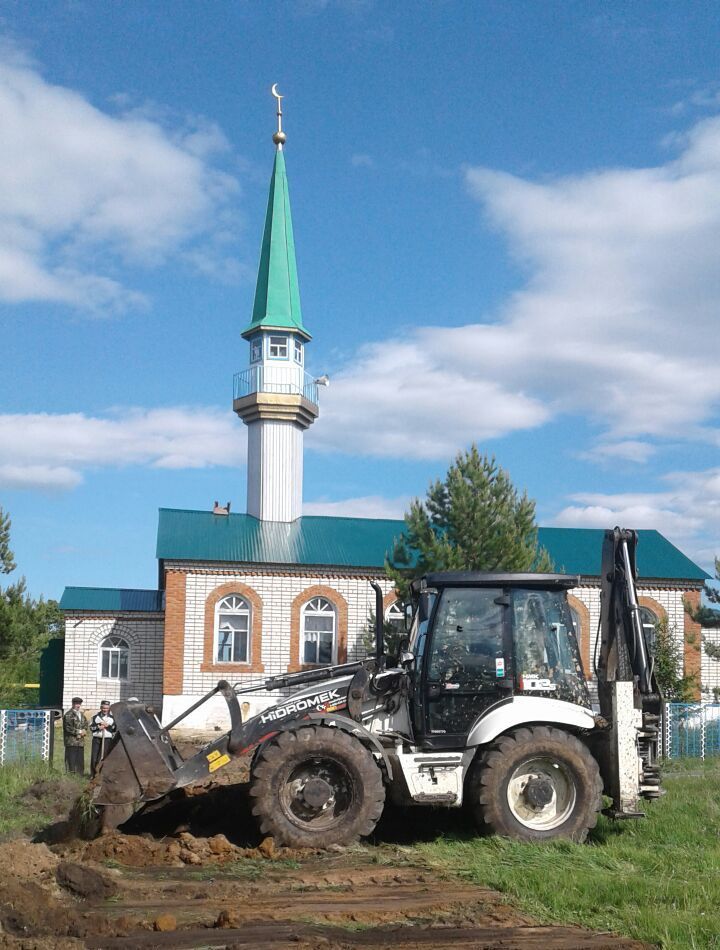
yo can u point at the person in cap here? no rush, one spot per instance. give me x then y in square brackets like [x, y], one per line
[75, 726]
[103, 728]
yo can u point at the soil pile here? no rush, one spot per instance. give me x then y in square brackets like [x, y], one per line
[140, 851]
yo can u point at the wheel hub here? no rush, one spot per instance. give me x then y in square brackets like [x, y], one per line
[541, 793]
[538, 792]
[316, 793]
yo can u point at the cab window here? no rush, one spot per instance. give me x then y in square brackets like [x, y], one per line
[467, 646]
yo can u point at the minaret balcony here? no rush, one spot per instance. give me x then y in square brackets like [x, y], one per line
[277, 393]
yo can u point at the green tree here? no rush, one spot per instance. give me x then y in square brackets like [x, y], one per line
[7, 561]
[26, 626]
[668, 654]
[392, 635]
[473, 520]
[708, 616]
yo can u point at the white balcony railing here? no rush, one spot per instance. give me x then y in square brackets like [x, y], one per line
[275, 379]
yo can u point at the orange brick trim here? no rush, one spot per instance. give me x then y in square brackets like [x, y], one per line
[252, 570]
[692, 643]
[255, 665]
[653, 605]
[389, 599]
[341, 609]
[584, 633]
[174, 639]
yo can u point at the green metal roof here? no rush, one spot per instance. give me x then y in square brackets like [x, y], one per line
[579, 550]
[364, 542]
[111, 599]
[277, 293]
[203, 536]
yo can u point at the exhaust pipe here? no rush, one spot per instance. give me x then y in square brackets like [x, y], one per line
[379, 623]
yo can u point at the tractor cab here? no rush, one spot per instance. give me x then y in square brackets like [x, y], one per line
[480, 639]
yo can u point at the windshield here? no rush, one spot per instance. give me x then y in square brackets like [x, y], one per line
[547, 658]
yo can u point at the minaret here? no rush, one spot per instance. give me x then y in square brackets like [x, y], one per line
[275, 397]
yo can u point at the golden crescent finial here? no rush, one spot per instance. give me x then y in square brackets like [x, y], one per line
[279, 137]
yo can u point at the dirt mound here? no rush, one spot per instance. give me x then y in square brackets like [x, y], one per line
[26, 861]
[40, 943]
[84, 881]
[27, 909]
[139, 851]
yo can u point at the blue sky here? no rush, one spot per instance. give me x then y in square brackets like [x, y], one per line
[507, 218]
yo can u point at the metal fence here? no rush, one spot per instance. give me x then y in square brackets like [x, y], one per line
[26, 734]
[692, 730]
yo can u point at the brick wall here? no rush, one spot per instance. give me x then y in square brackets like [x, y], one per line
[84, 634]
[277, 593]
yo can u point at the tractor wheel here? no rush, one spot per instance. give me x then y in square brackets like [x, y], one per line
[315, 787]
[535, 784]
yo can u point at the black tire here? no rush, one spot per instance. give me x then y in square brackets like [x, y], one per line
[504, 802]
[341, 770]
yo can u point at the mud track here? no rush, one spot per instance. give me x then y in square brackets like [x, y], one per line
[232, 897]
[173, 879]
[345, 902]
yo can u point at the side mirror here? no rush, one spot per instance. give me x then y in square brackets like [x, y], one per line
[424, 606]
[408, 616]
[406, 658]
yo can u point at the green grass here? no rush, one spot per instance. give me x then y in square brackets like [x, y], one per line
[656, 879]
[20, 813]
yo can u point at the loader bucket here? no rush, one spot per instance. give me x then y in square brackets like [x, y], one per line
[142, 763]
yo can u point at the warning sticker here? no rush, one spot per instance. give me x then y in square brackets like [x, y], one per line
[213, 755]
[218, 763]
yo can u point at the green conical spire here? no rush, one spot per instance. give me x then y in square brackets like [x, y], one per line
[277, 295]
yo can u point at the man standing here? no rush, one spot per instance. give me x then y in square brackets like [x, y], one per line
[103, 728]
[74, 731]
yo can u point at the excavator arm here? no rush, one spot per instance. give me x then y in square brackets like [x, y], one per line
[631, 701]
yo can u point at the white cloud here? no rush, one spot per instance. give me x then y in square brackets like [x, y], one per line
[43, 477]
[368, 506]
[615, 322]
[51, 451]
[399, 400]
[81, 190]
[628, 451]
[687, 512]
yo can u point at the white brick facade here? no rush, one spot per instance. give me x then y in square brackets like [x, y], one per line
[276, 592]
[84, 634]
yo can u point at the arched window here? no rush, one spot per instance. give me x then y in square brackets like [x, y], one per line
[232, 625]
[317, 643]
[395, 617]
[649, 620]
[114, 658]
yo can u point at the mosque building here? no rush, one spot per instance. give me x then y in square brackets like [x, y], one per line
[243, 596]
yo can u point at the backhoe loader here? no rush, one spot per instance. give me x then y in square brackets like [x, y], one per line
[486, 705]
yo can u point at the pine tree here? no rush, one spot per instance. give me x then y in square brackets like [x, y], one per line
[472, 520]
[7, 560]
[708, 616]
[26, 626]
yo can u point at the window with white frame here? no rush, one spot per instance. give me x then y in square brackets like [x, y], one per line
[232, 630]
[278, 348]
[298, 348]
[395, 617]
[318, 632]
[649, 620]
[256, 350]
[114, 658]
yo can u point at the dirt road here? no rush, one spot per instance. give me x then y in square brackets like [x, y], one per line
[187, 892]
[173, 879]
